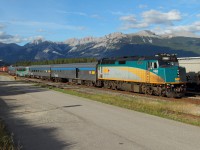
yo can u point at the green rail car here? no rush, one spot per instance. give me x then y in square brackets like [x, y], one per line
[22, 71]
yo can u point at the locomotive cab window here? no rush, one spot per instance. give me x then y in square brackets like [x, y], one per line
[153, 65]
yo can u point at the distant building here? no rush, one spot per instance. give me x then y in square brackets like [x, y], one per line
[192, 66]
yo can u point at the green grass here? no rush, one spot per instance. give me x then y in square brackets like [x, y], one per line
[166, 109]
[6, 140]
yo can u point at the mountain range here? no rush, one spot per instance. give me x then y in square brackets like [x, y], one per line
[144, 43]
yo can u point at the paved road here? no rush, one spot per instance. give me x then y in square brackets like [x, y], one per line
[47, 120]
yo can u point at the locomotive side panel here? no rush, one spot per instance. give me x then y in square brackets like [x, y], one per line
[123, 71]
[132, 71]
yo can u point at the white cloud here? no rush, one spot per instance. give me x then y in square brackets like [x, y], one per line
[119, 13]
[131, 26]
[194, 27]
[157, 17]
[95, 16]
[71, 13]
[79, 14]
[190, 30]
[34, 38]
[129, 18]
[6, 38]
[160, 7]
[41, 31]
[2, 26]
[142, 6]
[198, 15]
[151, 17]
[47, 25]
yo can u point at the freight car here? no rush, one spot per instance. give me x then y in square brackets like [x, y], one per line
[4, 69]
[192, 66]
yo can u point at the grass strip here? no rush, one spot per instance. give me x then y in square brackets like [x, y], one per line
[6, 139]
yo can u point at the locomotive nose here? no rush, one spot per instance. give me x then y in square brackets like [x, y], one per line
[181, 74]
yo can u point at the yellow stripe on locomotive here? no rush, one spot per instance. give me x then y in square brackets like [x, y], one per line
[153, 71]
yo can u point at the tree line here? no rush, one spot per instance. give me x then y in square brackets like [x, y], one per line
[56, 61]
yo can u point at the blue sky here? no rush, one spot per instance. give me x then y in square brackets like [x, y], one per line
[22, 21]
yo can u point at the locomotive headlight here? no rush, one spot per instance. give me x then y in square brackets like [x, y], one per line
[178, 73]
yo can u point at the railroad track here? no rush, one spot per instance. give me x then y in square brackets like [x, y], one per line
[191, 97]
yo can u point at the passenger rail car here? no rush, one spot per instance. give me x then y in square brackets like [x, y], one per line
[22, 71]
[40, 71]
[12, 70]
[83, 73]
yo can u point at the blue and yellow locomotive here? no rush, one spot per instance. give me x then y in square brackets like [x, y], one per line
[158, 75]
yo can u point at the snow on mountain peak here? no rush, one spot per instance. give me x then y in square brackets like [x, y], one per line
[115, 35]
[37, 40]
[85, 40]
[146, 33]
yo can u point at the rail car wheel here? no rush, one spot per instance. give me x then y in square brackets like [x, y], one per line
[149, 90]
[91, 84]
[107, 85]
[143, 89]
[114, 87]
[162, 93]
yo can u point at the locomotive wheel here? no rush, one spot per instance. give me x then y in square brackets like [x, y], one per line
[107, 85]
[114, 87]
[143, 89]
[149, 91]
[162, 93]
[170, 94]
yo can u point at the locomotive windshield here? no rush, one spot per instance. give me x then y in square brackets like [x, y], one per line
[167, 63]
[167, 60]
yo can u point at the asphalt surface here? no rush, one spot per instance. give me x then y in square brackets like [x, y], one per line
[42, 119]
